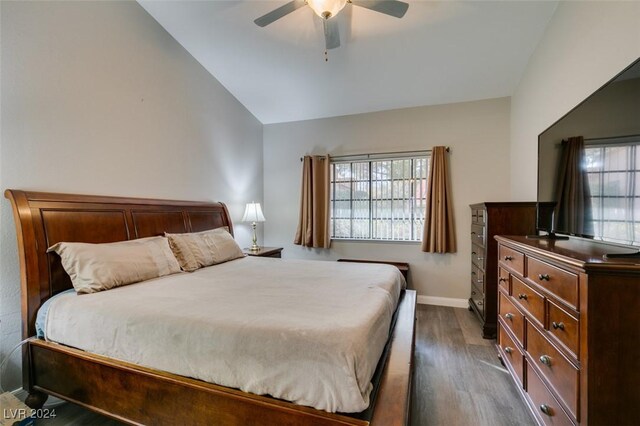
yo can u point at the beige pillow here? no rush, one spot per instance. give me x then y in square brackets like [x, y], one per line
[198, 249]
[97, 267]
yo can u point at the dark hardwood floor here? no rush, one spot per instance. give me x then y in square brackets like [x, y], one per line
[458, 379]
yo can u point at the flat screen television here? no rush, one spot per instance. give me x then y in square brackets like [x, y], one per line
[589, 166]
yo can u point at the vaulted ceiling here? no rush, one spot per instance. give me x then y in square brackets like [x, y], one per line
[440, 52]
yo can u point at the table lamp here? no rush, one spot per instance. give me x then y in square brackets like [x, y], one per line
[253, 213]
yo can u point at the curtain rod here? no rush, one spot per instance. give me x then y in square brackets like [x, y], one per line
[368, 156]
[611, 138]
[626, 140]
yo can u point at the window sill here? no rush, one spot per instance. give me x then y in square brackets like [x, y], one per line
[362, 240]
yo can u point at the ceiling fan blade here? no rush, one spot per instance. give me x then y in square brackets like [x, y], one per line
[388, 7]
[278, 13]
[331, 33]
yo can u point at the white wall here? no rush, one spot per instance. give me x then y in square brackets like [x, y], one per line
[478, 134]
[97, 98]
[586, 44]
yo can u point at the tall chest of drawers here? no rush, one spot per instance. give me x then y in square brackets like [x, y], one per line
[487, 220]
[569, 329]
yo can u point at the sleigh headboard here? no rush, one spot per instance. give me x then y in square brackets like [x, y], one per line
[43, 219]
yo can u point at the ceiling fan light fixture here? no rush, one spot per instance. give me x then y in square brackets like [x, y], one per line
[326, 8]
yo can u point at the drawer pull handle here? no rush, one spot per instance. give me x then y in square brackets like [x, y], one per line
[473, 233]
[508, 350]
[480, 303]
[502, 280]
[473, 293]
[473, 272]
[546, 360]
[480, 281]
[480, 259]
[557, 325]
[546, 410]
[522, 296]
[508, 258]
[543, 277]
[508, 316]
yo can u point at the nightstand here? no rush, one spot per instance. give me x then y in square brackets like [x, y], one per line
[265, 252]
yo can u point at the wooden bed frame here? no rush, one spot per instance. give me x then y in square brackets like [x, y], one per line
[138, 395]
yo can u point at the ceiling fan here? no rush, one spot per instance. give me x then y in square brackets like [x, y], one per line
[328, 9]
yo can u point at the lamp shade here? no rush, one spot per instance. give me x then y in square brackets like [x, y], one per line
[326, 8]
[253, 213]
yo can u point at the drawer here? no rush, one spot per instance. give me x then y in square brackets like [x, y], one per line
[559, 372]
[477, 234]
[511, 353]
[503, 279]
[559, 282]
[511, 316]
[477, 296]
[547, 407]
[477, 255]
[564, 327]
[529, 299]
[512, 259]
[477, 276]
[476, 292]
[478, 216]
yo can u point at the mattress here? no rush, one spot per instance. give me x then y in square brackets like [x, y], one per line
[309, 332]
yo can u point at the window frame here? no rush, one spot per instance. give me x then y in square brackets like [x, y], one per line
[369, 159]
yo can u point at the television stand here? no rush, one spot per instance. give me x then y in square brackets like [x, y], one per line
[550, 236]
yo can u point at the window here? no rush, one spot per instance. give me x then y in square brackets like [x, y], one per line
[613, 170]
[378, 198]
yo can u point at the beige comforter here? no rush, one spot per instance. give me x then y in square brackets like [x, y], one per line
[309, 332]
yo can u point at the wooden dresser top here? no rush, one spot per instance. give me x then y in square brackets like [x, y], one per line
[583, 254]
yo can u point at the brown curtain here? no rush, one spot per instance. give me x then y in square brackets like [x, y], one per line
[439, 235]
[313, 223]
[573, 197]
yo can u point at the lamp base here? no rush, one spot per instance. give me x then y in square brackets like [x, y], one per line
[254, 246]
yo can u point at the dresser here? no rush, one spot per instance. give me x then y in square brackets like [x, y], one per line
[487, 220]
[569, 329]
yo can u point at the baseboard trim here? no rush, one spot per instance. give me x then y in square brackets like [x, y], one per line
[443, 301]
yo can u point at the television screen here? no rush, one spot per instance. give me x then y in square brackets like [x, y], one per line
[589, 165]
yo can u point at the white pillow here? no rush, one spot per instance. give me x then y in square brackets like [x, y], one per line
[97, 267]
[198, 249]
